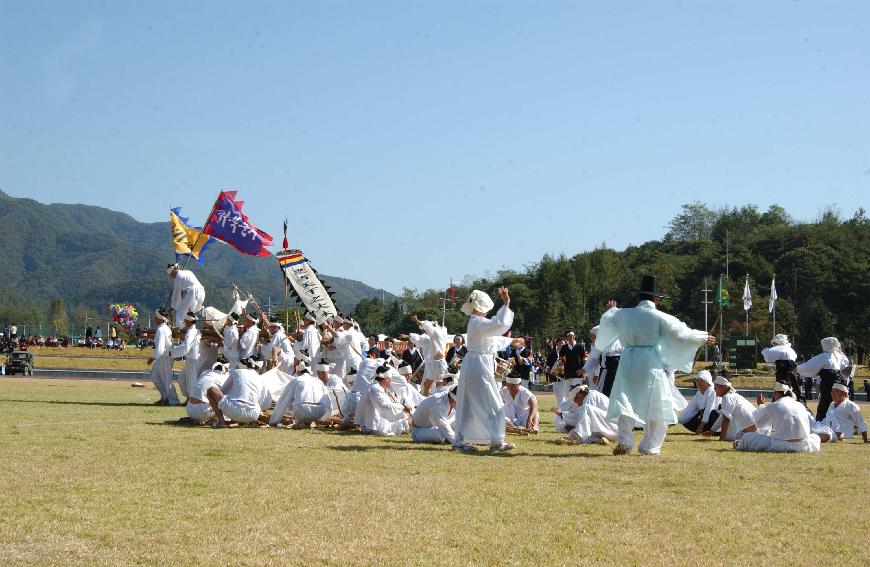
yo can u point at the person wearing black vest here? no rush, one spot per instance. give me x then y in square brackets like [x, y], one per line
[413, 357]
[829, 366]
[574, 354]
[521, 356]
[458, 349]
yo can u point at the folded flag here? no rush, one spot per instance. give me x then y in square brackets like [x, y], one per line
[188, 240]
[228, 224]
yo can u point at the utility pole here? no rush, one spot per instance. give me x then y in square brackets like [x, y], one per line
[706, 303]
[444, 301]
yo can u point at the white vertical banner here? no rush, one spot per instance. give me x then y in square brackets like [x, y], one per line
[308, 288]
[747, 296]
[772, 305]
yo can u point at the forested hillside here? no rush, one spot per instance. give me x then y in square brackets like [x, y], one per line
[822, 272]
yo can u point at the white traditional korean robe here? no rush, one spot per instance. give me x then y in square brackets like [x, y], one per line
[433, 343]
[739, 412]
[189, 350]
[161, 370]
[311, 342]
[434, 420]
[306, 397]
[347, 345]
[479, 408]
[779, 352]
[592, 369]
[188, 295]
[379, 412]
[826, 360]
[203, 412]
[791, 429]
[231, 345]
[592, 423]
[642, 391]
[245, 396]
[517, 408]
[705, 402]
[248, 342]
[845, 418]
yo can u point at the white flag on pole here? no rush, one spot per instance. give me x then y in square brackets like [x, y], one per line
[772, 304]
[747, 296]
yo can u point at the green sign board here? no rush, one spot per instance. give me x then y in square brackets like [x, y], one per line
[742, 352]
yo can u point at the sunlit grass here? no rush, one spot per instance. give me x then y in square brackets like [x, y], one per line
[94, 474]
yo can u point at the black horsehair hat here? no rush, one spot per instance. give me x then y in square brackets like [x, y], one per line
[648, 286]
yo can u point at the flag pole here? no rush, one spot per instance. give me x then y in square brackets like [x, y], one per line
[774, 308]
[747, 310]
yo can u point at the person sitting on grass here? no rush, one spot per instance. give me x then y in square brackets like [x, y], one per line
[434, 418]
[520, 405]
[198, 409]
[844, 415]
[243, 396]
[306, 396]
[701, 414]
[379, 411]
[735, 413]
[590, 423]
[787, 418]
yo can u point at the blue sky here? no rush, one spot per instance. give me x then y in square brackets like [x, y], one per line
[409, 142]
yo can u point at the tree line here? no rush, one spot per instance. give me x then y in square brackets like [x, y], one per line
[822, 273]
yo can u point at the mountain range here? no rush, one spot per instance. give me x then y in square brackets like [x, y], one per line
[93, 256]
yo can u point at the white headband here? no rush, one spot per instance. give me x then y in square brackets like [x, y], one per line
[512, 380]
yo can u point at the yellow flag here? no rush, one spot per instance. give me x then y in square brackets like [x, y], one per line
[186, 239]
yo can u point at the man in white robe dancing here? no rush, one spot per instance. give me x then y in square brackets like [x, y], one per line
[641, 391]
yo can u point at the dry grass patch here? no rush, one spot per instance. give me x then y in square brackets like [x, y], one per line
[93, 474]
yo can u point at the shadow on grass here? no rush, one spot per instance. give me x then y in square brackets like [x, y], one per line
[106, 404]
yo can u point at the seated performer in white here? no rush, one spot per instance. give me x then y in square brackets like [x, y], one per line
[844, 415]
[198, 408]
[189, 350]
[701, 414]
[306, 396]
[590, 423]
[520, 405]
[379, 411]
[243, 396]
[433, 344]
[361, 380]
[735, 413]
[480, 416]
[336, 387]
[787, 418]
[188, 295]
[433, 420]
[565, 413]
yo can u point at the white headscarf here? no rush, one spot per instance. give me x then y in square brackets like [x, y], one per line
[780, 340]
[704, 376]
[830, 344]
[477, 301]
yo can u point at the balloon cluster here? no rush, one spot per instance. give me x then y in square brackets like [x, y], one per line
[124, 315]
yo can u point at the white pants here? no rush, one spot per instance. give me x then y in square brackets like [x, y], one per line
[193, 300]
[348, 410]
[188, 376]
[434, 370]
[237, 411]
[427, 435]
[560, 390]
[200, 412]
[765, 443]
[654, 433]
[161, 376]
[309, 413]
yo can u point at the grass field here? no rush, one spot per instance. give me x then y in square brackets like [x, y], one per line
[95, 475]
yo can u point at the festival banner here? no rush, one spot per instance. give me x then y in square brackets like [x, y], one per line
[188, 240]
[228, 224]
[308, 289]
